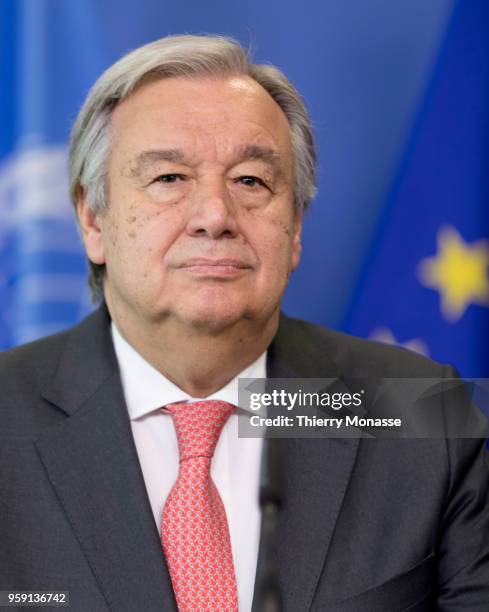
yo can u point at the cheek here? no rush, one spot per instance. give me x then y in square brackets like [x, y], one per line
[136, 237]
[275, 250]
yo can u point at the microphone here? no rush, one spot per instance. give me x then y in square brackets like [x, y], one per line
[269, 597]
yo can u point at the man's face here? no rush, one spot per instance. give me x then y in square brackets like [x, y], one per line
[200, 224]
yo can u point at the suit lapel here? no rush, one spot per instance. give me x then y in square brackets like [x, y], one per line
[92, 463]
[316, 476]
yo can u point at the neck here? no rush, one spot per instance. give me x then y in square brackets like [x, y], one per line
[198, 361]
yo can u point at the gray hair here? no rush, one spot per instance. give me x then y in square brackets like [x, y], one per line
[177, 56]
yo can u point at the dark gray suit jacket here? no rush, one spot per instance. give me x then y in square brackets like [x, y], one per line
[367, 526]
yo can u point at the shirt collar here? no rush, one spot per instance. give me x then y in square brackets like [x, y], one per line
[146, 389]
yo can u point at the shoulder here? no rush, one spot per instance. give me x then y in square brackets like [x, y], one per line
[25, 371]
[32, 363]
[357, 356]
[51, 377]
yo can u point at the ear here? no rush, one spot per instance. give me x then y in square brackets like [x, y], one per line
[90, 229]
[296, 240]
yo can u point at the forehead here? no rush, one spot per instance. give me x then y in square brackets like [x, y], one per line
[197, 114]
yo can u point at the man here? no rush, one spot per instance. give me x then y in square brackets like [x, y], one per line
[190, 171]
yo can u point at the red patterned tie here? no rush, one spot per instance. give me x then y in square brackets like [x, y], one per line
[195, 532]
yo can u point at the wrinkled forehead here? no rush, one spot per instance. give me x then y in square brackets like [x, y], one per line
[194, 115]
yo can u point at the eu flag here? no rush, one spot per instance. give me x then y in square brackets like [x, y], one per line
[425, 283]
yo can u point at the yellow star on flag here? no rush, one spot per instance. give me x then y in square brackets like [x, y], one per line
[459, 271]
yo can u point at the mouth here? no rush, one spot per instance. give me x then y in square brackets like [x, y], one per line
[215, 267]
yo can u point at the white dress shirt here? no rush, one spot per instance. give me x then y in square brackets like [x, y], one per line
[235, 466]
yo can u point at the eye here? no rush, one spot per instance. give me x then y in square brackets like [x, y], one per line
[169, 178]
[251, 181]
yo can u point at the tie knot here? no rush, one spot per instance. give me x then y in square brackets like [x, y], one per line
[198, 426]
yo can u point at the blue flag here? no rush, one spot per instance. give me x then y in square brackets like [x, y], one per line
[425, 283]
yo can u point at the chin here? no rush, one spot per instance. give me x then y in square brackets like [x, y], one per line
[213, 321]
[213, 317]
[212, 308]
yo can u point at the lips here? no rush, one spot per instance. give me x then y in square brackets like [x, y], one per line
[202, 261]
[215, 267]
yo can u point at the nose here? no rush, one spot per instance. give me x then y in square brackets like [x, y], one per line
[212, 213]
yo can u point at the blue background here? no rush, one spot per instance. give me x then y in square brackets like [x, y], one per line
[365, 69]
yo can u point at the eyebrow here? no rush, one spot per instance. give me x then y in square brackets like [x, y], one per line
[243, 153]
[257, 152]
[146, 158]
